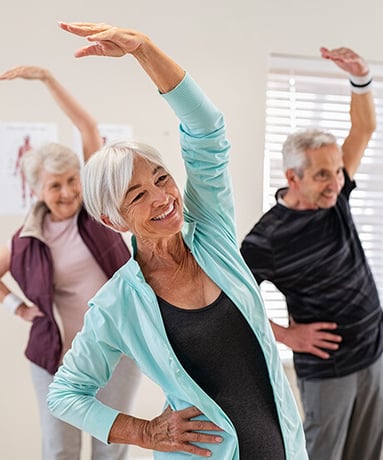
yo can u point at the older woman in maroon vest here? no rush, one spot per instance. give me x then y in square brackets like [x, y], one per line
[60, 257]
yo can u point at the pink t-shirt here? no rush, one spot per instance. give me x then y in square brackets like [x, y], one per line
[76, 277]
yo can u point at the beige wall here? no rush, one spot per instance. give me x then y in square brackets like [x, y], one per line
[223, 44]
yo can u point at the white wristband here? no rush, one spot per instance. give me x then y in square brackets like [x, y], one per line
[11, 302]
[361, 84]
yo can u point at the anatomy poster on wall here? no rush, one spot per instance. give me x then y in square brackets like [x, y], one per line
[109, 133]
[16, 139]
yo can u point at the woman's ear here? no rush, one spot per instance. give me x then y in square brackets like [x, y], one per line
[36, 194]
[118, 228]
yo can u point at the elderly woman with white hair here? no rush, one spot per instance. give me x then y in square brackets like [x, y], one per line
[60, 257]
[185, 307]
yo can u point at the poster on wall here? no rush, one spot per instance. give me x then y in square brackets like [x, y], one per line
[16, 138]
[109, 133]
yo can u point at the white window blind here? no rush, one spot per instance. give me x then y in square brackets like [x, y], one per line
[305, 92]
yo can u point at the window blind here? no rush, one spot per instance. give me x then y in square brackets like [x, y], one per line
[306, 92]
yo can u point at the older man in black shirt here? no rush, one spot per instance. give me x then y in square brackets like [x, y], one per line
[308, 246]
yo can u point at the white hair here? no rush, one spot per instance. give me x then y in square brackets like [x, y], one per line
[53, 158]
[296, 145]
[106, 178]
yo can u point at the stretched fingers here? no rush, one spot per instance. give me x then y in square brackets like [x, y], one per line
[92, 50]
[330, 337]
[346, 59]
[23, 71]
[188, 423]
[324, 338]
[83, 29]
[8, 75]
[189, 433]
[109, 40]
[13, 73]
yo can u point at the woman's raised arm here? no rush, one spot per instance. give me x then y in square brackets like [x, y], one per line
[116, 42]
[81, 118]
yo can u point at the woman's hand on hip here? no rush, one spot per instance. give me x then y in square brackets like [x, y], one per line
[179, 431]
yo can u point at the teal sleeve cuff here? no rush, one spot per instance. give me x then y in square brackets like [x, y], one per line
[100, 420]
[194, 109]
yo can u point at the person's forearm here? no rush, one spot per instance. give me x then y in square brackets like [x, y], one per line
[127, 430]
[165, 73]
[279, 332]
[85, 123]
[10, 301]
[3, 291]
[363, 124]
[362, 114]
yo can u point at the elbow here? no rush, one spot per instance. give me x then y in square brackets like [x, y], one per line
[372, 126]
[365, 130]
[55, 400]
[368, 130]
[52, 401]
[368, 124]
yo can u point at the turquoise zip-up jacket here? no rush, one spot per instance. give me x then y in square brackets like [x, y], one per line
[124, 317]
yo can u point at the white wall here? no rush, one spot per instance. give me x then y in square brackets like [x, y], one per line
[223, 44]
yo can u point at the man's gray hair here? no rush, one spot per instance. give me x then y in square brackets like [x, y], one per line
[106, 178]
[296, 145]
[53, 158]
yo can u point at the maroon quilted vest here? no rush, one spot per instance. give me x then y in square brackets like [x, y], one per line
[32, 268]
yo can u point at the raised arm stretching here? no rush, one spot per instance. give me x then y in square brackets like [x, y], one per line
[362, 107]
[81, 118]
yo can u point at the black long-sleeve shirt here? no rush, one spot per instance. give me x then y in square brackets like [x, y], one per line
[315, 258]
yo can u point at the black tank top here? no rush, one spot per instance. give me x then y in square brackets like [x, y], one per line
[218, 349]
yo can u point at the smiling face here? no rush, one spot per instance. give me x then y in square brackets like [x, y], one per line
[152, 207]
[61, 193]
[322, 179]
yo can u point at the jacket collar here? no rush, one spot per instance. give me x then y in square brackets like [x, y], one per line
[33, 224]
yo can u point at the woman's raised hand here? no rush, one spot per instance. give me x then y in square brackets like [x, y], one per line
[112, 41]
[108, 40]
[28, 72]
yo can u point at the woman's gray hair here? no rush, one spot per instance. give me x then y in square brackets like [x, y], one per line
[53, 158]
[296, 145]
[106, 178]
